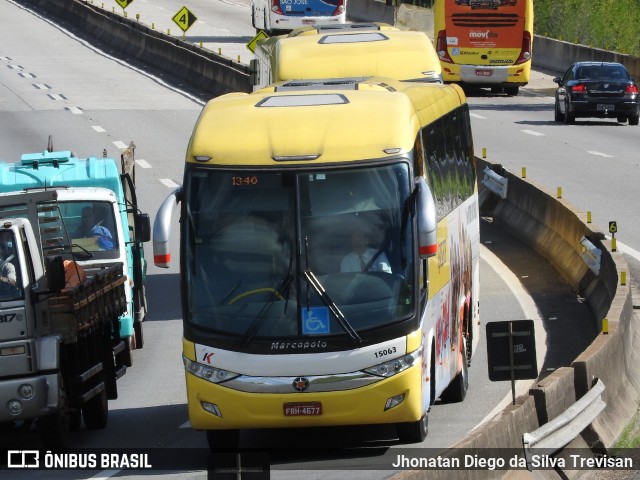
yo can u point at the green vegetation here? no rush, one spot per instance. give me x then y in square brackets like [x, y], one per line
[630, 437]
[607, 24]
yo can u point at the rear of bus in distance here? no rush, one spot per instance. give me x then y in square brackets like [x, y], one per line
[278, 331]
[485, 43]
[285, 15]
[358, 50]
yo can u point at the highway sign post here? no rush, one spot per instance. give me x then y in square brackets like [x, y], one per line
[184, 19]
[511, 352]
[124, 3]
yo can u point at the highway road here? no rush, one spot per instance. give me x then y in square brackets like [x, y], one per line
[53, 83]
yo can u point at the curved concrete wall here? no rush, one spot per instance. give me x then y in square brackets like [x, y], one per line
[548, 225]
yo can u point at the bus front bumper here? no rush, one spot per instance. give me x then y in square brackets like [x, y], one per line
[214, 406]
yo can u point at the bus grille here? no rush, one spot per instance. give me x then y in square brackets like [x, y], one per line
[493, 20]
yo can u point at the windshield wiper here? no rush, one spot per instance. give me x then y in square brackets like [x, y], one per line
[262, 315]
[324, 296]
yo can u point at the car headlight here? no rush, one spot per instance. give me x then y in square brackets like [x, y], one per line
[392, 367]
[207, 372]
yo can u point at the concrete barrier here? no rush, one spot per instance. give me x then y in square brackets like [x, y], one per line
[553, 229]
[198, 67]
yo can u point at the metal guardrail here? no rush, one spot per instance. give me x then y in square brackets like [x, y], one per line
[591, 255]
[557, 433]
[495, 182]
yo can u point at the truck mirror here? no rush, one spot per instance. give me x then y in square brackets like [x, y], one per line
[143, 227]
[55, 274]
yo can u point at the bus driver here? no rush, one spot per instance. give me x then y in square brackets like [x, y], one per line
[363, 258]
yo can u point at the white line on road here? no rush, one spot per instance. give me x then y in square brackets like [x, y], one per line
[143, 163]
[599, 154]
[186, 424]
[105, 474]
[533, 132]
[14, 67]
[98, 128]
[475, 115]
[169, 183]
[75, 110]
[42, 86]
[56, 96]
[27, 75]
[120, 145]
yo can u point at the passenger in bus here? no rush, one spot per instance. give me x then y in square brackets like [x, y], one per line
[90, 229]
[364, 258]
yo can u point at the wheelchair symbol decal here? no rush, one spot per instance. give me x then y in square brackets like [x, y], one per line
[315, 320]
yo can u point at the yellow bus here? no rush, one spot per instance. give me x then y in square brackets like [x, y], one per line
[354, 50]
[329, 251]
[485, 43]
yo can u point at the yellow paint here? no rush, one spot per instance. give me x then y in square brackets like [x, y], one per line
[353, 407]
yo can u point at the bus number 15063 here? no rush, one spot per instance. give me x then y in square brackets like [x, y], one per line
[385, 352]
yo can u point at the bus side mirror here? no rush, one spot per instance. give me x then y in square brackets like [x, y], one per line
[162, 229]
[254, 72]
[427, 220]
[143, 227]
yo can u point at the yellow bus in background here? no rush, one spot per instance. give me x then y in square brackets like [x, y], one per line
[351, 50]
[329, 252]
[485, 43]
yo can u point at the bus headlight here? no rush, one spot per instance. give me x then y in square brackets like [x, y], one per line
[207, 372]
[392, 367]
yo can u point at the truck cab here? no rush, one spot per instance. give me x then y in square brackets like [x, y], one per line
[95, 186]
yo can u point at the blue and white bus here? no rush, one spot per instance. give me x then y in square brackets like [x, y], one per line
[285, 15]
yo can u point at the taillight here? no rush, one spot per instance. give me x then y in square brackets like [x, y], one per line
[631, 89]
[339, 8]
[525, 52]
[441, 47]
[579, 88]
[275, 7]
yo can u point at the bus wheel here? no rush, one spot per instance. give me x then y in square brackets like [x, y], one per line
[223, 439]
[96, 411]
[457, 389]
[413, 432]
[511, 91]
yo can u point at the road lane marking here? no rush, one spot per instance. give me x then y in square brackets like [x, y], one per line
[106, 474]
[533, 132]
[56, 96]
[599, 154]
[169, 183]
[14, 67]
[475, 115]
[120, 145]
[74, 110]
[98, 128]
[143, 163]
[186, 424]
[42, 86]
[27, 75]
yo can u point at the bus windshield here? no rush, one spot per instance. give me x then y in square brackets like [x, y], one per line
[254, 240]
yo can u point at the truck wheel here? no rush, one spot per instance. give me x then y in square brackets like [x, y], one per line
[137, 330]
[54, 428]
[223, 439]
[127, 353]
[96, 411]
